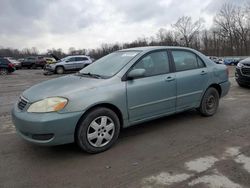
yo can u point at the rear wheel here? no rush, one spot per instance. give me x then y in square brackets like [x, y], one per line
[3, 71]
[98, 130]
[59, 70]
[210, 102]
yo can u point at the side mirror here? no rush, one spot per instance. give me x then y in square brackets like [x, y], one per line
[136, 73]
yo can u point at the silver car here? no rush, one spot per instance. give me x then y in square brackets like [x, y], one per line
[69, 63]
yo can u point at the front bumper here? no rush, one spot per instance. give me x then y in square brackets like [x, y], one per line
[46, 128]
[50, 68]
[242, 79]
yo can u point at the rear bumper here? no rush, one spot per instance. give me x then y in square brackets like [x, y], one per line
[225, 86]
[46, 128]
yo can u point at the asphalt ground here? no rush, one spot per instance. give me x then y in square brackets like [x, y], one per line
[183, 150]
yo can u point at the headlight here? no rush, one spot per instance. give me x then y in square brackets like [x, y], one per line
[239, 65]
[51, 104]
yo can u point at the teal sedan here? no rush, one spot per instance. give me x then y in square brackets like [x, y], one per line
[122, 89]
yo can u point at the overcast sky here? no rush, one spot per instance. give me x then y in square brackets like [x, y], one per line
[48, 24]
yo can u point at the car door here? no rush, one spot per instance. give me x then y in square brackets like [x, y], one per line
[153, 94]
[192, 78]
[81, 62]
[70, 63]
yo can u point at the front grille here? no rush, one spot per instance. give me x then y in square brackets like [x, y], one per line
[22, 103]
[246, 64]
[245, 71]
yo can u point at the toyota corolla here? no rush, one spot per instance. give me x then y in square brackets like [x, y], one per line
[124, 88]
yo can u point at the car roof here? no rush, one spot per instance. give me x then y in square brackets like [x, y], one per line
[76, 56]
[149, 48]
[4, 60]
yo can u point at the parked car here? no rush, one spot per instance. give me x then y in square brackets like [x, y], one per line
[230, 61]
[242, 73]
[21, 59]
[122, 89]
[69, 63]
[15, 62]
[34, 62]
[216, 59]
[6, 66]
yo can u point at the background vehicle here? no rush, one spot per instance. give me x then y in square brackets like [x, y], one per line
[122, 89]
[216, 59]
[231, 61]
[15, 62]
[6, 66]
[69, 63]
[34, 62]
[242, 72]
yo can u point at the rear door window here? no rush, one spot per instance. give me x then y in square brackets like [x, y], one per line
[81, 59]
[185, 60]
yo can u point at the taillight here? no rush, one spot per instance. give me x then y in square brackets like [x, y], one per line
[227, 71]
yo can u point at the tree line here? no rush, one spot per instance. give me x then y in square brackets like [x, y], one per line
[228, 36]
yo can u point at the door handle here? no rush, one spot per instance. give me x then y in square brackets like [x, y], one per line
[170, 78]
[203, 72]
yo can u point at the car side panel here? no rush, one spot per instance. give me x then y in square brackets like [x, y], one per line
[151, 96]
[114, 94]
[191, 84]
[69, 65]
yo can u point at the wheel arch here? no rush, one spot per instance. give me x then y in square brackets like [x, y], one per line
[110, 106]
[217, 87]
[59, 66]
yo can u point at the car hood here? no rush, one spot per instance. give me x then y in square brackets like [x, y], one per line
[64, 86]
[246, 62]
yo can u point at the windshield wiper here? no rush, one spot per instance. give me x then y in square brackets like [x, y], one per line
[89, 75]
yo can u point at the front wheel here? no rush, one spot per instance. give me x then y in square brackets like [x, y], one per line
[210, 102]
[98, 130]
[59, 70]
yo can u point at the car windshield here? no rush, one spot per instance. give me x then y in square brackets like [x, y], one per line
[110, 64]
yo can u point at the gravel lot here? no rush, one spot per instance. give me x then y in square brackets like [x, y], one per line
[183, 150]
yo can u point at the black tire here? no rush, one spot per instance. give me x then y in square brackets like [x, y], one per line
[3, 71]
[241, 85]
[33, 66]
[59, 70]
[210, 102]
[84, 128]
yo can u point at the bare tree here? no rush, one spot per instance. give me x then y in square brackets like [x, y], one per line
[71, 51]
[188, 29]
[242, 29]
[225, 21]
